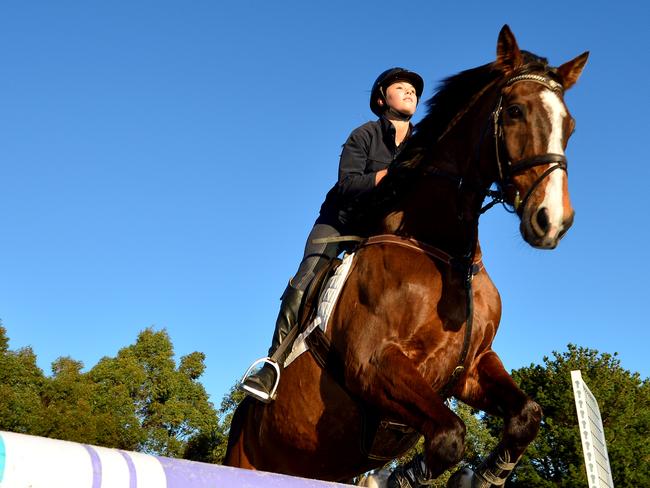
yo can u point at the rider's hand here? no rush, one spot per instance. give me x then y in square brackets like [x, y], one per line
[379, 175]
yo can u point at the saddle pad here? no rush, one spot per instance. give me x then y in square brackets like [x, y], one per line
[326, 303]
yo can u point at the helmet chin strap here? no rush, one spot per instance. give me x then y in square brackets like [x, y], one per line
[396, 114]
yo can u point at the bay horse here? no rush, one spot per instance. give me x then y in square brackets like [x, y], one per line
[416, 318]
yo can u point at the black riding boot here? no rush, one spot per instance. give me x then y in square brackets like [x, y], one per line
[260, 385]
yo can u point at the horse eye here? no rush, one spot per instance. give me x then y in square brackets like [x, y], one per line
[515, 112]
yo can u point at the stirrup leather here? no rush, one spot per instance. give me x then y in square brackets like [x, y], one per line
[256, 393]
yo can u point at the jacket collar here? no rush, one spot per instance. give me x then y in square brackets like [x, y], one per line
[388, 131]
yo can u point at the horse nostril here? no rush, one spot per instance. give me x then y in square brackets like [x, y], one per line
[542, 219]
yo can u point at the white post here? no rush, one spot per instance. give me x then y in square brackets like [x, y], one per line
[592, 434]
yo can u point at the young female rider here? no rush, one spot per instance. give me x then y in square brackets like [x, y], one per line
[364, 162]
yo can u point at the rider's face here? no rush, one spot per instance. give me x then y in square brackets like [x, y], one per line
[401, 96]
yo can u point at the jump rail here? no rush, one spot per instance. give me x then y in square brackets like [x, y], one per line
[36, 462]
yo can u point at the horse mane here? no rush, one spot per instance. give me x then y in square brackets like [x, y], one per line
[452, 97]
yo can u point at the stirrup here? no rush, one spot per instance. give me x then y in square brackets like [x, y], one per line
[260, 395]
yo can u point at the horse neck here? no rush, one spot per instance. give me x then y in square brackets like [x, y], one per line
[437, 210]
[435, 213]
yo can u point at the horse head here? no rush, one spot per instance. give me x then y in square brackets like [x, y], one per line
[503, 122]
[532, 126]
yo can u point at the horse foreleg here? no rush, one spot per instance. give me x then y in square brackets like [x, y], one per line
[396, 386]
[490, 388]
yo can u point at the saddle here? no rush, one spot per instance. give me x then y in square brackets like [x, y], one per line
[382, 439]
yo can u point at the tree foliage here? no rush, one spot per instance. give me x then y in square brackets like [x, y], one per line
[555, 458]
[139, 400]
[21, 384]
[161, 405]
[211, 445]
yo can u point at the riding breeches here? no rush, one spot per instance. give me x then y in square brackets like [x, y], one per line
[316, 255]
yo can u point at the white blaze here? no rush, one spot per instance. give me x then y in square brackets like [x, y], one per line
[553, 189]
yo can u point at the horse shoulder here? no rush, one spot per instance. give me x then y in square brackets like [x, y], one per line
[391, 299]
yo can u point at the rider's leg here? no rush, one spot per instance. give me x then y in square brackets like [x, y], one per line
[260, 384]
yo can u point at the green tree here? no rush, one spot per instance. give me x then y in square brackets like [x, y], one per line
[21, 385]
[117, 383]
[210, 446]
[139, 400]
[67, 401]
[555, 458]
[228, 405]
[161, 406]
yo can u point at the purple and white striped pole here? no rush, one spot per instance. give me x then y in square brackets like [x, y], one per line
[37, 462]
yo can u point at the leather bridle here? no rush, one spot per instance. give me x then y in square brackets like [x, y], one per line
[508, 169]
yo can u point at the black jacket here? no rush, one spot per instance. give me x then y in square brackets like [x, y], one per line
[369, 148]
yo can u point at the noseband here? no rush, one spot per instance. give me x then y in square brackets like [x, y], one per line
[509, 169]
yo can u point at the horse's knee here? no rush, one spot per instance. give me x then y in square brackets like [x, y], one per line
[523, 426]
[447, 446]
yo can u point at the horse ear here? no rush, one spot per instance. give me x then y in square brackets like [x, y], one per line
[508, 54]
[571, 70]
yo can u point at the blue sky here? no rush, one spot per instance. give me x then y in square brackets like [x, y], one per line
[162, 163]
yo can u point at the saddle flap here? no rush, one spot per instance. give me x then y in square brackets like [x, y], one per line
[320, 302]
[314, 291]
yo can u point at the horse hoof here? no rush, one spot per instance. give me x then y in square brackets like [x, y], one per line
[376, 479]
[461, 479]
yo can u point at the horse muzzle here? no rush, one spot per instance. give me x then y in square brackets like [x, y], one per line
[541, 230]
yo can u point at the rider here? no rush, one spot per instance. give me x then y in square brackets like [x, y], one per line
[366, 156]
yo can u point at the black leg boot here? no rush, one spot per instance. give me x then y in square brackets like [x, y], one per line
[262, 385]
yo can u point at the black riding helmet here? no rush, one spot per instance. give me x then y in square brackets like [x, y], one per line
[389, 77]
